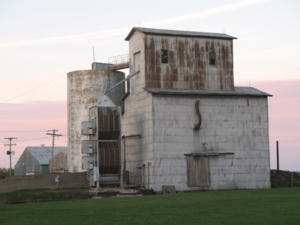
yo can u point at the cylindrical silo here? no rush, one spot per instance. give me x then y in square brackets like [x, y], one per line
[84, 89]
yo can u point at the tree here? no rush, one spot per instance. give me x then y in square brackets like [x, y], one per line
[4, 172]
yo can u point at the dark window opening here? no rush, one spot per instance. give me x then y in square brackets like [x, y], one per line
[212, 58]
[164, 56]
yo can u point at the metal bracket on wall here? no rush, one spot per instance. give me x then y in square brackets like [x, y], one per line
[206, 154]
[132, 136]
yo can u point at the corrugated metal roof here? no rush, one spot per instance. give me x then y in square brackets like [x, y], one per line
[43, 154]
[239, 91]
[179, 33]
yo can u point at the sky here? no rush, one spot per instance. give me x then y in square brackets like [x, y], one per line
[41, 41]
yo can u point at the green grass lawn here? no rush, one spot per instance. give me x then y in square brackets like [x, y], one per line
[272, 206]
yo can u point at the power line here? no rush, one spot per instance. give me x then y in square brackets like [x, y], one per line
[33, 139]
[285, 128]
[29, 139]
[32, 90]
[22, 131]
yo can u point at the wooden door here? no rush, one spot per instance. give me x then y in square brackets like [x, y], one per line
[198, 173]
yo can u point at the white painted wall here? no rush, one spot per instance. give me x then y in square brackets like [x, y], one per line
[228, 124]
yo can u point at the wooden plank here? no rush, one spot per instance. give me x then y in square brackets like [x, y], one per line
[204, 172]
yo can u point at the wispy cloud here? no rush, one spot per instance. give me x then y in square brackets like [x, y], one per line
[205, 13]
[124, 30]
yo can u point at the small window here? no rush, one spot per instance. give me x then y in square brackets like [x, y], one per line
[164, 56]
[212, 58]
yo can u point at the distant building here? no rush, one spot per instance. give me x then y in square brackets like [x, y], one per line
[60, 162]
[35, 160]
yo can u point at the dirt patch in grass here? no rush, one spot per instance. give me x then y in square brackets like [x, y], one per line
[140, 191]
[107, 194]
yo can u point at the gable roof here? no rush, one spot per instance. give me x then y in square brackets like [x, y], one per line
[43, 154]
[179, 33]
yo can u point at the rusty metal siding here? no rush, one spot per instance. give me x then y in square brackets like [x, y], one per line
[188, 66]
[198, 173]
[108, 124]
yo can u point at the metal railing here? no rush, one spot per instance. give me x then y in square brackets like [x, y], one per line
[118, 60]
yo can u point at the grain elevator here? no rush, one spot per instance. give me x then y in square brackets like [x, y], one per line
[183, 123]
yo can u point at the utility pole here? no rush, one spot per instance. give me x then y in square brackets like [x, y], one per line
[53, 136]
[10, 144]
[277, 147]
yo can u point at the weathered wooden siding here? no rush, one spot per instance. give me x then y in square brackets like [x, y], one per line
[188, 66]
[198, 173]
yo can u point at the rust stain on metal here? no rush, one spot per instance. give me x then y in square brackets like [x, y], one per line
[197, 126]
[180, 52]
[109, 158]
[188, 63]
[158, 70]
[172, 61]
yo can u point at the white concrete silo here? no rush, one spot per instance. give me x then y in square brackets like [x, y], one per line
[84, 89]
